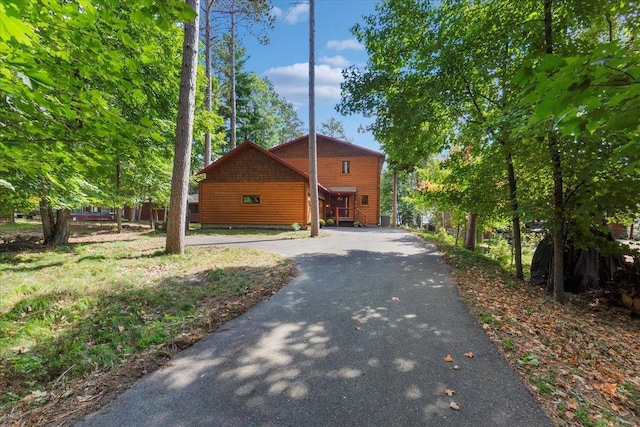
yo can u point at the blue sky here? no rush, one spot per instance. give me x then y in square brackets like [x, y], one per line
[285, 59]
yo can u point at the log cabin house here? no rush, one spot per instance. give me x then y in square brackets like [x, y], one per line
[253, 187]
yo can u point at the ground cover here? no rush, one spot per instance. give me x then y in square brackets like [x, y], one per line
[79, 324]
[580, 360]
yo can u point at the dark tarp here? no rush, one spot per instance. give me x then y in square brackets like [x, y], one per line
[584, 269]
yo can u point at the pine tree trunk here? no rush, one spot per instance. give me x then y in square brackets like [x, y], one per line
[207, 68]
[233, 81]
[184, 130]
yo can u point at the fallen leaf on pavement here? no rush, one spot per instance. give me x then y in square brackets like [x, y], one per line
[469, 355]
[448, 358]
[358, 328]
[395, 299]
[454, 406]
[449, 392]
[456, 367]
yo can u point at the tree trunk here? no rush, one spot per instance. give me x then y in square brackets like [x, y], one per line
[48, 220]
[558, 219]
[207, 67]
[558, 190]
[313, 152]
[515, 216]
[233, 81]
[56, 227]
[470, 235]
[118, 188]
[184, 131]
[394, 211]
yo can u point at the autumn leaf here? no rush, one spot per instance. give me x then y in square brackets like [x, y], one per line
[120, 328]
[358, 328]
[448, 358]
[449, 392]
[610, 389]
[572, 404]
[453, 405]
[456, 367]
[395, 299]
[469, 355]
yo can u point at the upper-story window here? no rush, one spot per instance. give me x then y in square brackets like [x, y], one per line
[346, 166]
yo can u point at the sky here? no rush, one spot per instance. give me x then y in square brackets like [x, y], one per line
[285, 60]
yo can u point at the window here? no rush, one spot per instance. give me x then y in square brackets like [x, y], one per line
[365, 200]
[346, 166]
[251, 199]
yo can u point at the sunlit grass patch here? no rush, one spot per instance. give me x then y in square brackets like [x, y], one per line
[67, 312]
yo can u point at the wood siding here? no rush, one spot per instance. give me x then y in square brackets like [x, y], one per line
[252, 166]
[364, 174]
[281, 203]
[365, 167]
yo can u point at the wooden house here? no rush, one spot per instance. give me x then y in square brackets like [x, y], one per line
[251, 186]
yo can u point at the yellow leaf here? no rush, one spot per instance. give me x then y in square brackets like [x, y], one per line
[469, 355]
[448, 358]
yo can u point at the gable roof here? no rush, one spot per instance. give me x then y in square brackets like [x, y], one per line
[248, 145]
[320, 138]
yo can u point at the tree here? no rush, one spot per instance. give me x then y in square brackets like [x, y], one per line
[67, 109]
[334, 128]
[488, 82]
[238, 14]
[177, 221]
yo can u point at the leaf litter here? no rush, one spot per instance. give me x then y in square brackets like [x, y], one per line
[580, 360]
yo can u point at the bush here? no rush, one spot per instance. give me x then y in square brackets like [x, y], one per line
[322, 222]
[331, 222]
[295, 226]
[443, 236]
[501, 252]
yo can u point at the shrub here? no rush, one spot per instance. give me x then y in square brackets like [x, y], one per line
[295, 226]
[331, 222]
[322, 222]
[501, 252]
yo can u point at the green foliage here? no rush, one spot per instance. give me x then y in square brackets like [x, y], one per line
[469, 86]
[98, 95]
[501, 251]
[330, 221]
[295, 226]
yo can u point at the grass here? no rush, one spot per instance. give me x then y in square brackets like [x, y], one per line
[68, 312]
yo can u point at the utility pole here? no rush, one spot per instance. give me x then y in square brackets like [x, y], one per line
[313, 154]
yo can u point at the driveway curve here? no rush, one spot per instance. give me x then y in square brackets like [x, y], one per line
[358, 338]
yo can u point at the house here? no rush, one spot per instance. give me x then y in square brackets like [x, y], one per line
[251, 186]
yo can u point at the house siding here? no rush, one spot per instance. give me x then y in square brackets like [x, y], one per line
[364, 173]
[281, 203]
[252, 166]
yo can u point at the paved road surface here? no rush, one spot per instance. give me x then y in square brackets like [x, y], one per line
[357, 339]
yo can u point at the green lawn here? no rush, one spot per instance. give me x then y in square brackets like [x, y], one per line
[67, 312]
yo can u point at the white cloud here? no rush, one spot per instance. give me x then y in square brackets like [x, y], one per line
[295, 14]
[292, 83]
[348, 44]
[336, 61]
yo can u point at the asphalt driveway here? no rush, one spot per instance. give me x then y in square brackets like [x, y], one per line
[358, 338]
